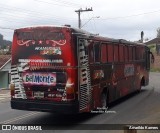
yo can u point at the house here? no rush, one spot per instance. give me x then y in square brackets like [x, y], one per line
[5, 65]
[156, 42]
[155, 48]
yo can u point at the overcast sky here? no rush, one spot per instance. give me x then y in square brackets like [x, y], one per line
[118, 18]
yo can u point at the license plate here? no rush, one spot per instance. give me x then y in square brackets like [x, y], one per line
[39, 94]
[45, 79]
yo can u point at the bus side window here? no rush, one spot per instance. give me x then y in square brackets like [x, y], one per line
[110, 52]
[116, 53]
[143, 53]
[90, 53]
[126, 53]
[121, 53]
[96, 52]
[130, 53]
[138, 56]
[134, 53]
[103, 53]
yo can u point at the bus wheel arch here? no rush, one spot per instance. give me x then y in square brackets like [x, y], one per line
[143, 81]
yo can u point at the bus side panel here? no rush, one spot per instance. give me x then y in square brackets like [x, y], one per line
[84, 75]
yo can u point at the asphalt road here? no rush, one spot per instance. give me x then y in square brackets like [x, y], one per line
[138, 108]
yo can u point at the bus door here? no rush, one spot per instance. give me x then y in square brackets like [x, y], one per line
[85, 93]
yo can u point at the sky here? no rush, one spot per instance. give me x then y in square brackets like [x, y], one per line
[120, 19]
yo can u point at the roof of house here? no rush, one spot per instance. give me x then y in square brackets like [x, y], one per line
[153, 41]
[4, 59]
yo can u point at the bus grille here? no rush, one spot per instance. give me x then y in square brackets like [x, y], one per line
[83, 96]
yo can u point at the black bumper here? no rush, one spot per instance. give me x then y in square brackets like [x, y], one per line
[45, 106]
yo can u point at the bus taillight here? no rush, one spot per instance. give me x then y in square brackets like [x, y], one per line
[70, 93]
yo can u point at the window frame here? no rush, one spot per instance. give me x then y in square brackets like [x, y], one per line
[102, 53]
[121, 57]
[126, 51]
[99, 52]
[110, 58]
[116, 53]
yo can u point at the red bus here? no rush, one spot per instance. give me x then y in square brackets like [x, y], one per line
[67, 70]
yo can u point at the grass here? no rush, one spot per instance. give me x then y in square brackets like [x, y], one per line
[154, 69]
[152, 48]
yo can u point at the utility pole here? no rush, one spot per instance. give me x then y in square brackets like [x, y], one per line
[79, 15]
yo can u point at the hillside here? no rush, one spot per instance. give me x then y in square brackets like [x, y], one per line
[4, 43]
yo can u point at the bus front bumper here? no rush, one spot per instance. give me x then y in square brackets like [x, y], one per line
[45, 106]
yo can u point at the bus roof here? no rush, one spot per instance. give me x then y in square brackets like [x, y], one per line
[80, 31]
[83, 32]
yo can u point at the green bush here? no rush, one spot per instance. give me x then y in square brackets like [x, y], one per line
[155, 69]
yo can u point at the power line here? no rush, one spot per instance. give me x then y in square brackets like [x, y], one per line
[67, 4]
[19, 18]
[34, 19]
[21, 23]
[4, 7]
[32, 12]
[6, 28]
[57, 18]
[134, 15]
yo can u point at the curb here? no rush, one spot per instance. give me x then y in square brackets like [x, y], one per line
[4, 89]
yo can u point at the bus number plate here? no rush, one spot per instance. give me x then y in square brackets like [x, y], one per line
[39, 94]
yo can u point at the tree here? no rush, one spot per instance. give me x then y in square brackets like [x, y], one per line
[158, 32]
